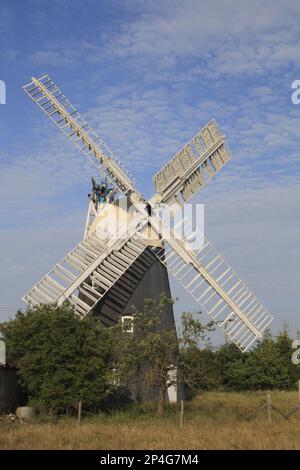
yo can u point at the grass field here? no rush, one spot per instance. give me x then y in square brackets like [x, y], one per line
[212, 421]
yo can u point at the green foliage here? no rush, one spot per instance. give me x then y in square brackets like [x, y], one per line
[267, 366]
[60, 358]
[155, 355]
[146, 358]
[229, 357]
[200, 368]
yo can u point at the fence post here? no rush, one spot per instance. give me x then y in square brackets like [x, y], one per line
[79, 412]
[269, 407]
[181, 413]
[299, 392]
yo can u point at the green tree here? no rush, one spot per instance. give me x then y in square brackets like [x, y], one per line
[60, 358]
[229, 358]
[267, 366]
[199, 369]
[146, 358]
[153, 355]
[285, 350]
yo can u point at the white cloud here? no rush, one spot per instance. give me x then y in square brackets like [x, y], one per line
[232, 37]
[227, 38]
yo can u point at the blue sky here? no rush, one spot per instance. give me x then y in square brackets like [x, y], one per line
[148, 76]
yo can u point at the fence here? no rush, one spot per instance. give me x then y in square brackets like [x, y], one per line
[270, 408]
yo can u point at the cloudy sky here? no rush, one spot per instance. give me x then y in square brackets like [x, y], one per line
[148, 76]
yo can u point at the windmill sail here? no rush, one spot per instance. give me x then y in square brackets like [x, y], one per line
[205, 274]
[46, 94]
[191, 168]
[85, 275]
[218, 290]
[89, 270]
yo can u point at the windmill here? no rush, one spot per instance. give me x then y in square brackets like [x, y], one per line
[97, 266]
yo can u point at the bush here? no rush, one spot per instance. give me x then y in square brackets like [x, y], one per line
[60, 359]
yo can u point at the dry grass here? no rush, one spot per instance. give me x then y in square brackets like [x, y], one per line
[212, 421]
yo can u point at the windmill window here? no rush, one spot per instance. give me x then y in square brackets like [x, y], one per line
[127, 323]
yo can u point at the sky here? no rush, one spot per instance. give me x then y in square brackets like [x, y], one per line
[148, 76]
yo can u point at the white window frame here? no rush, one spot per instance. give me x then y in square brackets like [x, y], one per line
[128, 318]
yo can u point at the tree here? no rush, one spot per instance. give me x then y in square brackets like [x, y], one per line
[229, 358]
[267, 366]
[154, 356]
[198, 367]
[285, 351]
[60, 358]
[146, 358]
